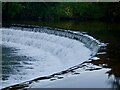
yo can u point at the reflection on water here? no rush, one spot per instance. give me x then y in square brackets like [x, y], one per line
[105, 32]
[116, 83]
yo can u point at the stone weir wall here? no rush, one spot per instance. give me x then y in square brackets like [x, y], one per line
[90, 42]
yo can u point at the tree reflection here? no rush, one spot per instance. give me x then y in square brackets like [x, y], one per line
[115, 83]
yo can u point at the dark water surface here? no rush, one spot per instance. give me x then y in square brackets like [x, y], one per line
[12, 63]
[105, 32]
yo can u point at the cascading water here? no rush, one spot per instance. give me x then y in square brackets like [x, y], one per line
[52, 50]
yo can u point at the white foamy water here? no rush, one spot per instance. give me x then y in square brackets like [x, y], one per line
[51, 53]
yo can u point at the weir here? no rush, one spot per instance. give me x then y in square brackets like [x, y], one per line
[90, 42]
[53, 49]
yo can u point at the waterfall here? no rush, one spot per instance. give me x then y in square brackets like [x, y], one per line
[90, 42]
[58, 46]
[52, 49]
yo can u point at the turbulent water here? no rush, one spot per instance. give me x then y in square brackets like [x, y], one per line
[43, 53]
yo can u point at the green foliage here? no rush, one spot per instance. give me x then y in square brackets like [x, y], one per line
[56, 11]
[12, 9]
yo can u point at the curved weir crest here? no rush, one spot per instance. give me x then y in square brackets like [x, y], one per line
[52, 50]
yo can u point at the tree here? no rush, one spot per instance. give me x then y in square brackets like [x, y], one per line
[10, 10]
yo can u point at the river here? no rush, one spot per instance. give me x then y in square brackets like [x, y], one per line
[108, 60]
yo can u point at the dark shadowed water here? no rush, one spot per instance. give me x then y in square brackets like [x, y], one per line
[105, 32]
[12, 63]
